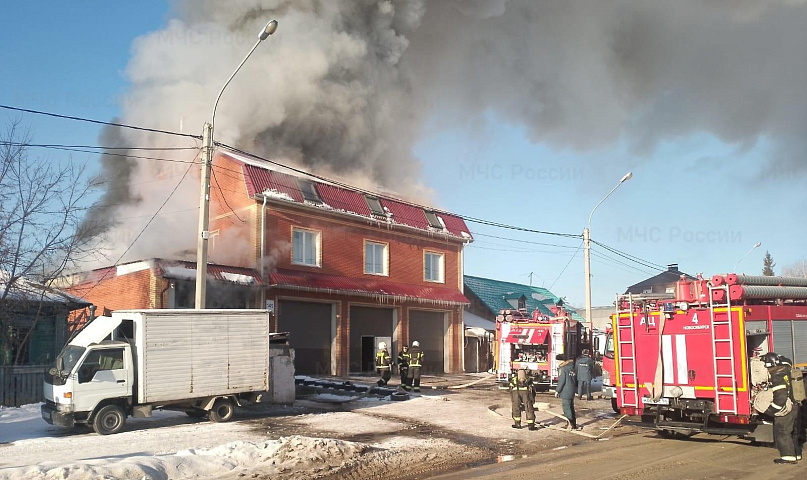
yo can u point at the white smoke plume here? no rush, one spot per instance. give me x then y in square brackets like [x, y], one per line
[344, 87]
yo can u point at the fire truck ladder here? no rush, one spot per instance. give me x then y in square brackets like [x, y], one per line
[720, 319]
[627, 376]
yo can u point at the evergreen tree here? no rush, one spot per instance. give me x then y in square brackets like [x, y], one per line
[768, 264]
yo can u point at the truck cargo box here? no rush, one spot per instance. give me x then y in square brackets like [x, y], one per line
[184, 354]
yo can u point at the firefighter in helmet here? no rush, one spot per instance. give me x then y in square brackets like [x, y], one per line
[415, 364]
[783, 410]
[383, 364]
[522, 397]
[404, 358]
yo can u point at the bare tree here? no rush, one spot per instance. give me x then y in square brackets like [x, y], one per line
[42, 230]
[797, 269]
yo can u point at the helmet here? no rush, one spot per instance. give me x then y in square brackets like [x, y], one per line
[415, 343]
[382, 346]
[770, 359]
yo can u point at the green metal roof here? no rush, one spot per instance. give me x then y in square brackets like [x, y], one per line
[495, 293]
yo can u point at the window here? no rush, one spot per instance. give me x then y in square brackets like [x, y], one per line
[433, 219]
[375, 206]
[306, 245]
[98, 360]
[433, 267]
[309, 191]
[375, 258]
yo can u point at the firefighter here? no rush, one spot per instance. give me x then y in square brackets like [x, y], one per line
[404, 358]
[566, 389]
[782, 408]
[583, 367]
[798, 404]
[522, 397]
[383, 364]
[415, 364]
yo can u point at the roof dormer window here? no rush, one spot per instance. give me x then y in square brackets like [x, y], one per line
[433, 219]
[375, 206]
[309, 191]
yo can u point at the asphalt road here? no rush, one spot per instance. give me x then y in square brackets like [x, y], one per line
[644, 456]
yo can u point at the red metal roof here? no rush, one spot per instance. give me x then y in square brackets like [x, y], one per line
[261, 179]
[223, 273]
[371, 286]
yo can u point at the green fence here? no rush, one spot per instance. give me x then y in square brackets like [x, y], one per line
[21, 384]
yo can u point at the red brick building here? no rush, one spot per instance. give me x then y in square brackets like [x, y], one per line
[341, 268]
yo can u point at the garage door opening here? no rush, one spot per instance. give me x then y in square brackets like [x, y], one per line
[367, 353]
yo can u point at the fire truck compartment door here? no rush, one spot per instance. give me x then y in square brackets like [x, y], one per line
[527, 335]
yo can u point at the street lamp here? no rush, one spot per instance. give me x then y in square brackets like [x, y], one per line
[204, 197]
[587, 250]
[756, 245]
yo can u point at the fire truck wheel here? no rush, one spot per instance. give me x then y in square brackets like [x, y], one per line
[614, 406]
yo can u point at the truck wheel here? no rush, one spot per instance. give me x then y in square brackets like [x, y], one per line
[109, 420]
[614, 406]
[222, 410]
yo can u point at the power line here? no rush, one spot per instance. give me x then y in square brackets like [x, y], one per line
[100, 147]
[224, 197]
[567, 266]
[522, 241]
[632, 258]
[99, 122]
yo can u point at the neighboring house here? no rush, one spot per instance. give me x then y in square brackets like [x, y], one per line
[664, 282]
[488, 297]
[342, 269]
[34, 320]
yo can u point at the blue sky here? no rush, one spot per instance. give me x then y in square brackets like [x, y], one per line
[695, 200]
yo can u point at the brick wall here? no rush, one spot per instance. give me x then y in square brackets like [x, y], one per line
[342, 246]
[133, 290]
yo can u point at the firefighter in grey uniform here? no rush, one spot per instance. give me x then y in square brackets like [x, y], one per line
[783, 410]
[522, 397]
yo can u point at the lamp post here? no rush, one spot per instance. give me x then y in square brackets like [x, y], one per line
[204, 197]
[587, 250]
[756, 245]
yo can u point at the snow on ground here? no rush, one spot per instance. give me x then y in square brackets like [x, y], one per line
[191, 449]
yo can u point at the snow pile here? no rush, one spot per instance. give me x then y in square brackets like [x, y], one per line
[294, 456]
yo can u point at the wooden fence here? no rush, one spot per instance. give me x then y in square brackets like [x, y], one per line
[21, 384]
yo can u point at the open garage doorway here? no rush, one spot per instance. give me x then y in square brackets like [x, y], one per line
[367, 324]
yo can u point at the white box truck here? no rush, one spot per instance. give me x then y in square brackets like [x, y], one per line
[202, 362]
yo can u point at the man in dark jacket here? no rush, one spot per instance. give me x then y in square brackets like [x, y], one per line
[583, 369]
[566, 389]
[522, 397]
[403, 366]
[783, 410]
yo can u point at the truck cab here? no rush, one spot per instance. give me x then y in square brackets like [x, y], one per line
[92, 373]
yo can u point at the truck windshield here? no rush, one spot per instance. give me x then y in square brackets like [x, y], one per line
[609, 346]
[70, 357]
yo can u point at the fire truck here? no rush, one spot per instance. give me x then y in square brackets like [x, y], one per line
[684, 361]
[533, 341]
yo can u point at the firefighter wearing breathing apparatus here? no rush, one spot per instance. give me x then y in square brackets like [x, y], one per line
[415, 364]
[522, 396]
[383, 364]
[783, 409]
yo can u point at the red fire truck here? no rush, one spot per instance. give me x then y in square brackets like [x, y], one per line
[683, 361]
[533, 341]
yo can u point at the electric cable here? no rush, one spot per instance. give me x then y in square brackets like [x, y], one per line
[99, 122]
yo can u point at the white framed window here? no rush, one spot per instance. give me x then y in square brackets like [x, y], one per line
[433, 267]
[306, 248]
[376, 258]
